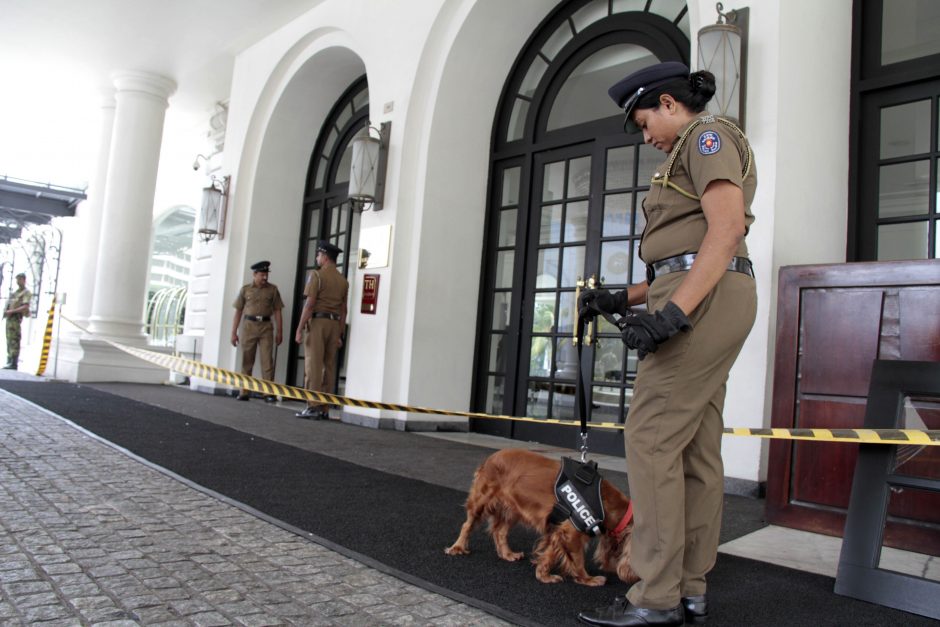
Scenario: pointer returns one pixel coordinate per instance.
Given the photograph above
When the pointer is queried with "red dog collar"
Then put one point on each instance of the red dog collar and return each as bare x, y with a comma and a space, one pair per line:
627, 517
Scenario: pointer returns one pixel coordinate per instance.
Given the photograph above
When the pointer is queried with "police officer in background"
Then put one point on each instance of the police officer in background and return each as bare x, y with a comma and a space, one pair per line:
17, 307
324, 319
700, 305
258, 303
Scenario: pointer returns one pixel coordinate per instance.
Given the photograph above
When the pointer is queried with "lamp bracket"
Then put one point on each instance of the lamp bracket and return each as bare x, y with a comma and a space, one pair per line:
731, 17
220, 184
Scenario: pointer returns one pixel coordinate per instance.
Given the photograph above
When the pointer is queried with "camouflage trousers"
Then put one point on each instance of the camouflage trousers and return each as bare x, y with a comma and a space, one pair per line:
13, 339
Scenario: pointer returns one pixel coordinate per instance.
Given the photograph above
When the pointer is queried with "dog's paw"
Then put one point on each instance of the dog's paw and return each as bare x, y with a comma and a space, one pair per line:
512, 556
600, 580
457, 550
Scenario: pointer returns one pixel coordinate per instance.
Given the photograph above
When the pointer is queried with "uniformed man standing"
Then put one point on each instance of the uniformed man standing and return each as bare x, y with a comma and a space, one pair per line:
17, 307
324, 319
258, 302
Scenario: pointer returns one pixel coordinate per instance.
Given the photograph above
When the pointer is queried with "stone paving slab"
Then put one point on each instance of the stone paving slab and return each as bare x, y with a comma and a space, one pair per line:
91, 536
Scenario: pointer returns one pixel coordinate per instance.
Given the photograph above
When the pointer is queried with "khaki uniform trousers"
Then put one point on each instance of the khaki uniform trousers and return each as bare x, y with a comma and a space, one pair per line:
320, 346
253, 335
673, 442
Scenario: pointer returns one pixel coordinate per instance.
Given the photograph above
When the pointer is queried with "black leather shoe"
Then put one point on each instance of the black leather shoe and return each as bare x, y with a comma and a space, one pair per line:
696, 609
242, 397
622, 614
270, 399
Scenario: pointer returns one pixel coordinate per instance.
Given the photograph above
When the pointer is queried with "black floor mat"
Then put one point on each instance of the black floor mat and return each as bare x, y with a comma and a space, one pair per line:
405, 523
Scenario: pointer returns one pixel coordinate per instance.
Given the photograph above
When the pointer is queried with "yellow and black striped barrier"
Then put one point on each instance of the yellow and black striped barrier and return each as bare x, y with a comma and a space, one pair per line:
46, 340
235, 379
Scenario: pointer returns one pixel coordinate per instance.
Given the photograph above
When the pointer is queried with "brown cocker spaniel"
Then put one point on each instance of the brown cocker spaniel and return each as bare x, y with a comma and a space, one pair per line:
515, 486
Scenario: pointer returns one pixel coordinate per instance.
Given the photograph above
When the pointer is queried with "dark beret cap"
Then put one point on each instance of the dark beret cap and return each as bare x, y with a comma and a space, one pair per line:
330, 249
261, 266
627, 91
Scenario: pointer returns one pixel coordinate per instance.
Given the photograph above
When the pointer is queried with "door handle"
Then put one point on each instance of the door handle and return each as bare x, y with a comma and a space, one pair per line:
591, 283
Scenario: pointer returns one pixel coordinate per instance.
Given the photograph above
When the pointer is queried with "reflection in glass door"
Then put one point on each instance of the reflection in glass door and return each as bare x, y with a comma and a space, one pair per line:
560, 235
585, 232
582, 228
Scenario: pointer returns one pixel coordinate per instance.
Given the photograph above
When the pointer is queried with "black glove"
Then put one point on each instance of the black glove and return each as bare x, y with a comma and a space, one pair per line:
645, 331
590, 302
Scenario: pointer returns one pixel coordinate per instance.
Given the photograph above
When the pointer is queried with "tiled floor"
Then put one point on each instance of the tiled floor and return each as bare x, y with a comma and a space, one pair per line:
819, 554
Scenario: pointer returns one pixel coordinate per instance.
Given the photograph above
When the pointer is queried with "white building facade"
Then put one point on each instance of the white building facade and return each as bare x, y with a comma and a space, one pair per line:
507, 180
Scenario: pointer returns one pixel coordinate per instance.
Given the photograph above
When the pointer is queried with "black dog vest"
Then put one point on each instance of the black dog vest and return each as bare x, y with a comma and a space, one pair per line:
578, 496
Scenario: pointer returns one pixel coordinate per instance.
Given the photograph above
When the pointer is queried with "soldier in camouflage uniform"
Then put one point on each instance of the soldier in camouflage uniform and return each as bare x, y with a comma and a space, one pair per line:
17, 307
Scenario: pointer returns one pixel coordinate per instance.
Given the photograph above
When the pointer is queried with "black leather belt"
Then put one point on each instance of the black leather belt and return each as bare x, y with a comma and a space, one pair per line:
258, 318
325, 314
684, 262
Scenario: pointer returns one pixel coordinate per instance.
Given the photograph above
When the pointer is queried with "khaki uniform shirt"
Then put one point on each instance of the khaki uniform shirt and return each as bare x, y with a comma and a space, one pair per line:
258, 301
330, 289
705, 152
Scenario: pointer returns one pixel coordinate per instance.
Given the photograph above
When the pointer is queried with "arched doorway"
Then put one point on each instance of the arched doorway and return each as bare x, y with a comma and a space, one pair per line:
564, 209
327, 213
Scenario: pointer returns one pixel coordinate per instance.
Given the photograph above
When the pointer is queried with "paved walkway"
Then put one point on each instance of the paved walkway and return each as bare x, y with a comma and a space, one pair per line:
91, 536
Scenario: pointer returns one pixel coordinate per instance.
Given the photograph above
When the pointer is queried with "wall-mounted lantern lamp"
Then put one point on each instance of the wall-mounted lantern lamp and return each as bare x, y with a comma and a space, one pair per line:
212, 213
722, 50
367, 174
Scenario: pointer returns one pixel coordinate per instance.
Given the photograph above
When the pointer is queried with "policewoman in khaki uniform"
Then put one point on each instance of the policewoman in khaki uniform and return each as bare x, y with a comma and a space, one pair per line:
17, 307
700, 305
324, 319
258, 303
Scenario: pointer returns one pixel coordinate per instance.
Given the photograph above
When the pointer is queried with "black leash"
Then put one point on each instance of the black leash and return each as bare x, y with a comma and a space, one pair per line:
580, 393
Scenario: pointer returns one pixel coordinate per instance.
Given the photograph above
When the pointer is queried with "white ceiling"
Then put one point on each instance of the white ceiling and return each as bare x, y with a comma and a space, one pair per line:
56, 57
194, 42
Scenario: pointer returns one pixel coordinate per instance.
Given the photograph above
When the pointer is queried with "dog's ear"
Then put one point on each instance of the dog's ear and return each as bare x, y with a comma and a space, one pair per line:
624, 570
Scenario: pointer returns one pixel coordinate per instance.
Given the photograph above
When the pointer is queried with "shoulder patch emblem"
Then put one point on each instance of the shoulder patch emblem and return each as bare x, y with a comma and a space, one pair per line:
709, 143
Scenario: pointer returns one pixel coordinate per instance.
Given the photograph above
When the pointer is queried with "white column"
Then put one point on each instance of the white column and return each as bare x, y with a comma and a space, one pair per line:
89, 215
123, 259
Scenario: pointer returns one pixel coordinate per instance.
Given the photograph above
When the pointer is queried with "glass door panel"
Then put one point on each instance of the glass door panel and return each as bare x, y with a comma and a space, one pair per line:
559, 251
897, 174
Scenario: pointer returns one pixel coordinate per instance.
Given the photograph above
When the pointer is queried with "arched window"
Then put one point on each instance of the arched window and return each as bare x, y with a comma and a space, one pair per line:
327, 213
566, 188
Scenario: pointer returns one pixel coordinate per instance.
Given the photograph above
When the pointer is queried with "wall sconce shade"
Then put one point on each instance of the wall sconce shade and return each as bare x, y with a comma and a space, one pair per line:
212, 212
722, 50
367, 172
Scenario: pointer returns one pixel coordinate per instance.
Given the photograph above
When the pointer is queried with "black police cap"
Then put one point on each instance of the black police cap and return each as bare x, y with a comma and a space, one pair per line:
626, 92
330, 249
261, 266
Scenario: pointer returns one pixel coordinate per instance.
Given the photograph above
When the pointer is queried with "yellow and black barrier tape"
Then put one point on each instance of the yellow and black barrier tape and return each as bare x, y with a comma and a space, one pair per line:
235, 379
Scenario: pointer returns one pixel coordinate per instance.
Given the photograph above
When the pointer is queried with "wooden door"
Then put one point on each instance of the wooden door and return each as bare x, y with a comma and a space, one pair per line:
833, 321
